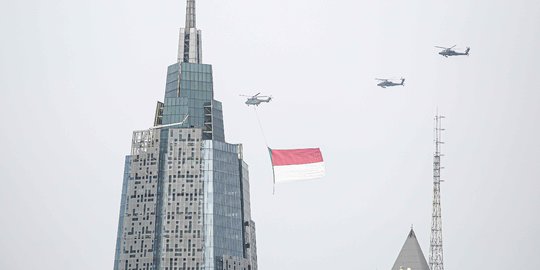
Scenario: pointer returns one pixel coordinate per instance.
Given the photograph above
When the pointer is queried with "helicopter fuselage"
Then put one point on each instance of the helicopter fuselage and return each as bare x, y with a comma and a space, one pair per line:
256, 101
449, 52
387, 83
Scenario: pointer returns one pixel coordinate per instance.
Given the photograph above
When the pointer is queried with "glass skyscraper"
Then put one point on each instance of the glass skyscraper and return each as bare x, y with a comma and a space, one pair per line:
185, 197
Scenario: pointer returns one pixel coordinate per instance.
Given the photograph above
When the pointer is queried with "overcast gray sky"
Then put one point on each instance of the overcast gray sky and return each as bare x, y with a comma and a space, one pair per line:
77, 77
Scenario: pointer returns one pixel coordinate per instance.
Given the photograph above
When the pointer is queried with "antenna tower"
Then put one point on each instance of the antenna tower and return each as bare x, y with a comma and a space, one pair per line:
436, 240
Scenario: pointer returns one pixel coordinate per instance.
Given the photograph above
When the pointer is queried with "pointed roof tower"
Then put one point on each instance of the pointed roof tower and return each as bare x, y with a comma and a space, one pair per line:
411, 256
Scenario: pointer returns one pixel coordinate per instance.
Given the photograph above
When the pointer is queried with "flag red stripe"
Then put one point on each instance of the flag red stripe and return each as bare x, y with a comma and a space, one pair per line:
296, 156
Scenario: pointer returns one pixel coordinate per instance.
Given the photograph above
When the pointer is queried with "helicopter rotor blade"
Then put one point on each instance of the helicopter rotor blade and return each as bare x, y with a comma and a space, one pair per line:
453, 46
257, 94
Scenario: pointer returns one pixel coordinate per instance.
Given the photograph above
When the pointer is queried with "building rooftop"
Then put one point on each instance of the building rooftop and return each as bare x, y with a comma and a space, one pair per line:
411, 256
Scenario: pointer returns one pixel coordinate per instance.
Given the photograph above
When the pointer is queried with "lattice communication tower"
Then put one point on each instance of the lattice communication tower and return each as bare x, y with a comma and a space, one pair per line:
436, 239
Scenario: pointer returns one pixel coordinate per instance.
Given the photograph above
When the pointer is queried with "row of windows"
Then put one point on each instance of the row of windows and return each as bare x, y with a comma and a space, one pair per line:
187, 86
197, 76
191, 67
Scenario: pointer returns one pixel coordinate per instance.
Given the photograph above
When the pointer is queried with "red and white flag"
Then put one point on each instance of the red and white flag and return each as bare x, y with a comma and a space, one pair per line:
297, 164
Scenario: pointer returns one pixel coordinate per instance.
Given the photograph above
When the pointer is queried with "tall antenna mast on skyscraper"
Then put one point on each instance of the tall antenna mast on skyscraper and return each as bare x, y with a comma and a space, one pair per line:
190, 42
190, 14
436, 242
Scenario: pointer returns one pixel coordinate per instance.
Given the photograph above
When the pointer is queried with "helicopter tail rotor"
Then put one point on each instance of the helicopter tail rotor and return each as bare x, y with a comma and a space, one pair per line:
467, 51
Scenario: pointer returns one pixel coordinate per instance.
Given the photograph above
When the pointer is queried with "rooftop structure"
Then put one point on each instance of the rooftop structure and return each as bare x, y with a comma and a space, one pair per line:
411, 256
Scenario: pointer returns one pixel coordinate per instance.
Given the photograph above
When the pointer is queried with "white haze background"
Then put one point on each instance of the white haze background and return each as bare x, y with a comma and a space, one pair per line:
77, 77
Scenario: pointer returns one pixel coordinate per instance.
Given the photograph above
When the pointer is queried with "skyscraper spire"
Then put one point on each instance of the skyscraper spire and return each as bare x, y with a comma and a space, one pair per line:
190, 41
190, 14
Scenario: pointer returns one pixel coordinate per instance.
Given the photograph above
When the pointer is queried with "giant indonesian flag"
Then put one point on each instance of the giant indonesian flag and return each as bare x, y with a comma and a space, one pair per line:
297, 164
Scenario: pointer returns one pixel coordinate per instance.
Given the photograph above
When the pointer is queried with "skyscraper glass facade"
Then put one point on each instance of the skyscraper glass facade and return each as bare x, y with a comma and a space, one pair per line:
185, 200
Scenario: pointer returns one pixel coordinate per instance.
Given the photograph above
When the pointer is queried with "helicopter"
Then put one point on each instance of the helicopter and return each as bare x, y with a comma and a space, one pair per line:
449, 52
386, 82
256, 99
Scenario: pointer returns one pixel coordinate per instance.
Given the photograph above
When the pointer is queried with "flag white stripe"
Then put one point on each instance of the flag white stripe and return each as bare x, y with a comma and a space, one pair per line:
287, 173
